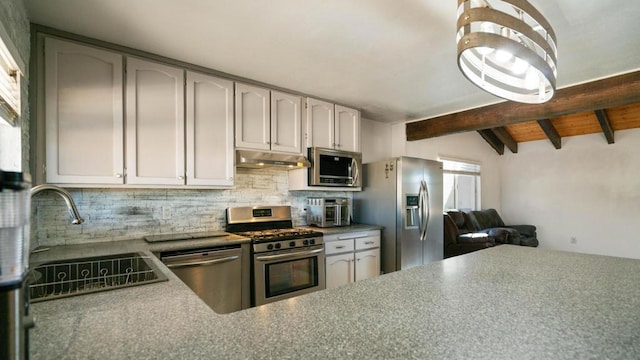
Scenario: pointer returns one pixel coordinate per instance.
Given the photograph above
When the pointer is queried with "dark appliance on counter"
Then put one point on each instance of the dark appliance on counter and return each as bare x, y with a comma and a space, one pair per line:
287, 261
328, 212
15, 213
330, 167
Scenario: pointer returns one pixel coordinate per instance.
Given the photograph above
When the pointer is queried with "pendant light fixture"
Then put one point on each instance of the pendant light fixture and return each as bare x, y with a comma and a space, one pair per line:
507, 48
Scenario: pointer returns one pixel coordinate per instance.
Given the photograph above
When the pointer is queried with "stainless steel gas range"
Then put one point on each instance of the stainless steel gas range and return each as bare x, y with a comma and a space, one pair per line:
287, 261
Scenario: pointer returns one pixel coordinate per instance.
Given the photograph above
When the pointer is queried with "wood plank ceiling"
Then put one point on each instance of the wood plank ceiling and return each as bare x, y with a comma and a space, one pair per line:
603, 106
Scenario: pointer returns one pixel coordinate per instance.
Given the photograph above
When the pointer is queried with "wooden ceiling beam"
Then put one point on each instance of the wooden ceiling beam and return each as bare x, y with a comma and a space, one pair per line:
505, 138
601, 94
605, 124
493, 140
551, 132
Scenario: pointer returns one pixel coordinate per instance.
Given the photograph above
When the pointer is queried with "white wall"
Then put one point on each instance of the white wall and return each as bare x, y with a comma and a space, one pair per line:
375, 138
469, 146
589, 190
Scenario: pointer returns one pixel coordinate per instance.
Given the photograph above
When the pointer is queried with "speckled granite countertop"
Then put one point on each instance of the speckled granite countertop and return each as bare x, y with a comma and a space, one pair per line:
506, 302
344, 229
113, 247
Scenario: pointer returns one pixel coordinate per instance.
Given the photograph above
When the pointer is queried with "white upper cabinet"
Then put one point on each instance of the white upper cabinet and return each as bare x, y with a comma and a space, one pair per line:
319, 124
83, 114
268, 120
155, 123
347, 129
332, 126
253, 129
286, 122
209, 130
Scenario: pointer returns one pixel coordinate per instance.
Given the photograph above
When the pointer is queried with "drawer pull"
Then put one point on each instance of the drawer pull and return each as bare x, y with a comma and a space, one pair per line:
369, 242
340, 247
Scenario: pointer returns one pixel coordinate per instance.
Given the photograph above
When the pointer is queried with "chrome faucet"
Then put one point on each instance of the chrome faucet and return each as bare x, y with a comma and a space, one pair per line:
73, 210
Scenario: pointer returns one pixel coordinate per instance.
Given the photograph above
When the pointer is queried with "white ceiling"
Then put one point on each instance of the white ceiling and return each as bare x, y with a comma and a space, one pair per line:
394, 59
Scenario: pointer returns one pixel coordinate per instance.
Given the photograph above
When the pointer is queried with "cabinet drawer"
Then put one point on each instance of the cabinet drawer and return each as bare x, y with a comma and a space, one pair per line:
368, 242
336, 247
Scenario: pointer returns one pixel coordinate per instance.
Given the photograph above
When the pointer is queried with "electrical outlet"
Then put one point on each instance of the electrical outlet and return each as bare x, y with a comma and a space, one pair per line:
573, 240
166, 212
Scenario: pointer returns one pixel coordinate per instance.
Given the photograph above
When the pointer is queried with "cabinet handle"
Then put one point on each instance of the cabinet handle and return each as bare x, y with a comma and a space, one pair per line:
340, 247
369, 242
276, 143
118, 175
268, 142
181, 177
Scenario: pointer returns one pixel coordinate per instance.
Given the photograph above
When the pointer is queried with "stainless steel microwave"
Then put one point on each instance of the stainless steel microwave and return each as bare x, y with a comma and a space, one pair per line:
330, 167
328, 212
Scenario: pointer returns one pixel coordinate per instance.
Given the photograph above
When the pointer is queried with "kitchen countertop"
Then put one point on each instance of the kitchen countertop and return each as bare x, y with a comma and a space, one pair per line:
506, 302
45, 254
344, 229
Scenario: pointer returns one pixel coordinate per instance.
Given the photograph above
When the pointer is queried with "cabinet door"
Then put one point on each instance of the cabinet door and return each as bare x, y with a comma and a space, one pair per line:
367, 264
209, 130
319, 126
347, 134
286, 122
252, 117
339, 269
84, 114
155, 123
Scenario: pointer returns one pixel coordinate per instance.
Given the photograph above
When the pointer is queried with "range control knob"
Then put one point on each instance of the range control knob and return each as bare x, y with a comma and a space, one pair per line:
292, 243
270, 247
278, 246
305, 242
312, 241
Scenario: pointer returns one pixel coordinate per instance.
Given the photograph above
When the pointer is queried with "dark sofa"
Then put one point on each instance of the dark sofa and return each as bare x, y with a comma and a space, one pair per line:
470, 231
459, 239
490, 222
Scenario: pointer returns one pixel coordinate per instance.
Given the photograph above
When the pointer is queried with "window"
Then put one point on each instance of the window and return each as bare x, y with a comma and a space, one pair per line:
461, 184
9, 81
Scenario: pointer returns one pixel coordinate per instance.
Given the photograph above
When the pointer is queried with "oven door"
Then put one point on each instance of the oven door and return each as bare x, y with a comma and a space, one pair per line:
288, 273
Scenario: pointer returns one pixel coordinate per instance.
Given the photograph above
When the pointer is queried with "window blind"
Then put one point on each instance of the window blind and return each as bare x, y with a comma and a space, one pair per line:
9, 85
453, 166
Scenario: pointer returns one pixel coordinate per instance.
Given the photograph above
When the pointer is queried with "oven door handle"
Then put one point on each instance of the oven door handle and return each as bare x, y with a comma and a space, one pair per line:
288, 256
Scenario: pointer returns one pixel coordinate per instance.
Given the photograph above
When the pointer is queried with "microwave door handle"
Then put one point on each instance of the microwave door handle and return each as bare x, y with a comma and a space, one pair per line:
356, 171
338, 214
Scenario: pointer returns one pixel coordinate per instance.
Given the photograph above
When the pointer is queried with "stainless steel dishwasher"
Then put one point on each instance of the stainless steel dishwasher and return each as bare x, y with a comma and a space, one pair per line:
215, 275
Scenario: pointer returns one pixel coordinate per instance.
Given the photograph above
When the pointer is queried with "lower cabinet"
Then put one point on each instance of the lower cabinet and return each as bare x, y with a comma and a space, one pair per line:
351, 257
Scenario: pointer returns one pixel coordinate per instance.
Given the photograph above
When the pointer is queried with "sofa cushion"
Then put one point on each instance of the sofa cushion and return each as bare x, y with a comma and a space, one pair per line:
458, 218
485, 219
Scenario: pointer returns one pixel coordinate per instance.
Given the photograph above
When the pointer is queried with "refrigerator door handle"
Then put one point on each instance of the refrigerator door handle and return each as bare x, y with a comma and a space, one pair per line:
427, 211
421, 209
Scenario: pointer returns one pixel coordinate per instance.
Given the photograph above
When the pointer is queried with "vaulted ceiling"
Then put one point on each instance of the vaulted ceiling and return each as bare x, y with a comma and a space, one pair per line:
605, 106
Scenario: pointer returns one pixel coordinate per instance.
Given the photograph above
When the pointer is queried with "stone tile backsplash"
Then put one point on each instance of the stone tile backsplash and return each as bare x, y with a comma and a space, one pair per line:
122, 214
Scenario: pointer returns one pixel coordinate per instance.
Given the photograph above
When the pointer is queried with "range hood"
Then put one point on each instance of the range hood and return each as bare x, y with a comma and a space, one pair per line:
262, 159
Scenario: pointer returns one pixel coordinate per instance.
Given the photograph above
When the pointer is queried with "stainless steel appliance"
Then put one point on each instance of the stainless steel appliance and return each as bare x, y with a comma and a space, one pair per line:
214, 274
330, 167
15, 205
328, 212
404, 195
287, 261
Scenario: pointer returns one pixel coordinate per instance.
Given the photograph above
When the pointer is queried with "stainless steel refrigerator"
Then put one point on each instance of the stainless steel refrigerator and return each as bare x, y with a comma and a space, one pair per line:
404, 195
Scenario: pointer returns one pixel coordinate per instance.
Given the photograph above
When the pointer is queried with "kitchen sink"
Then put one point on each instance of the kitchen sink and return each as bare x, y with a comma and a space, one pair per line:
80, 276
